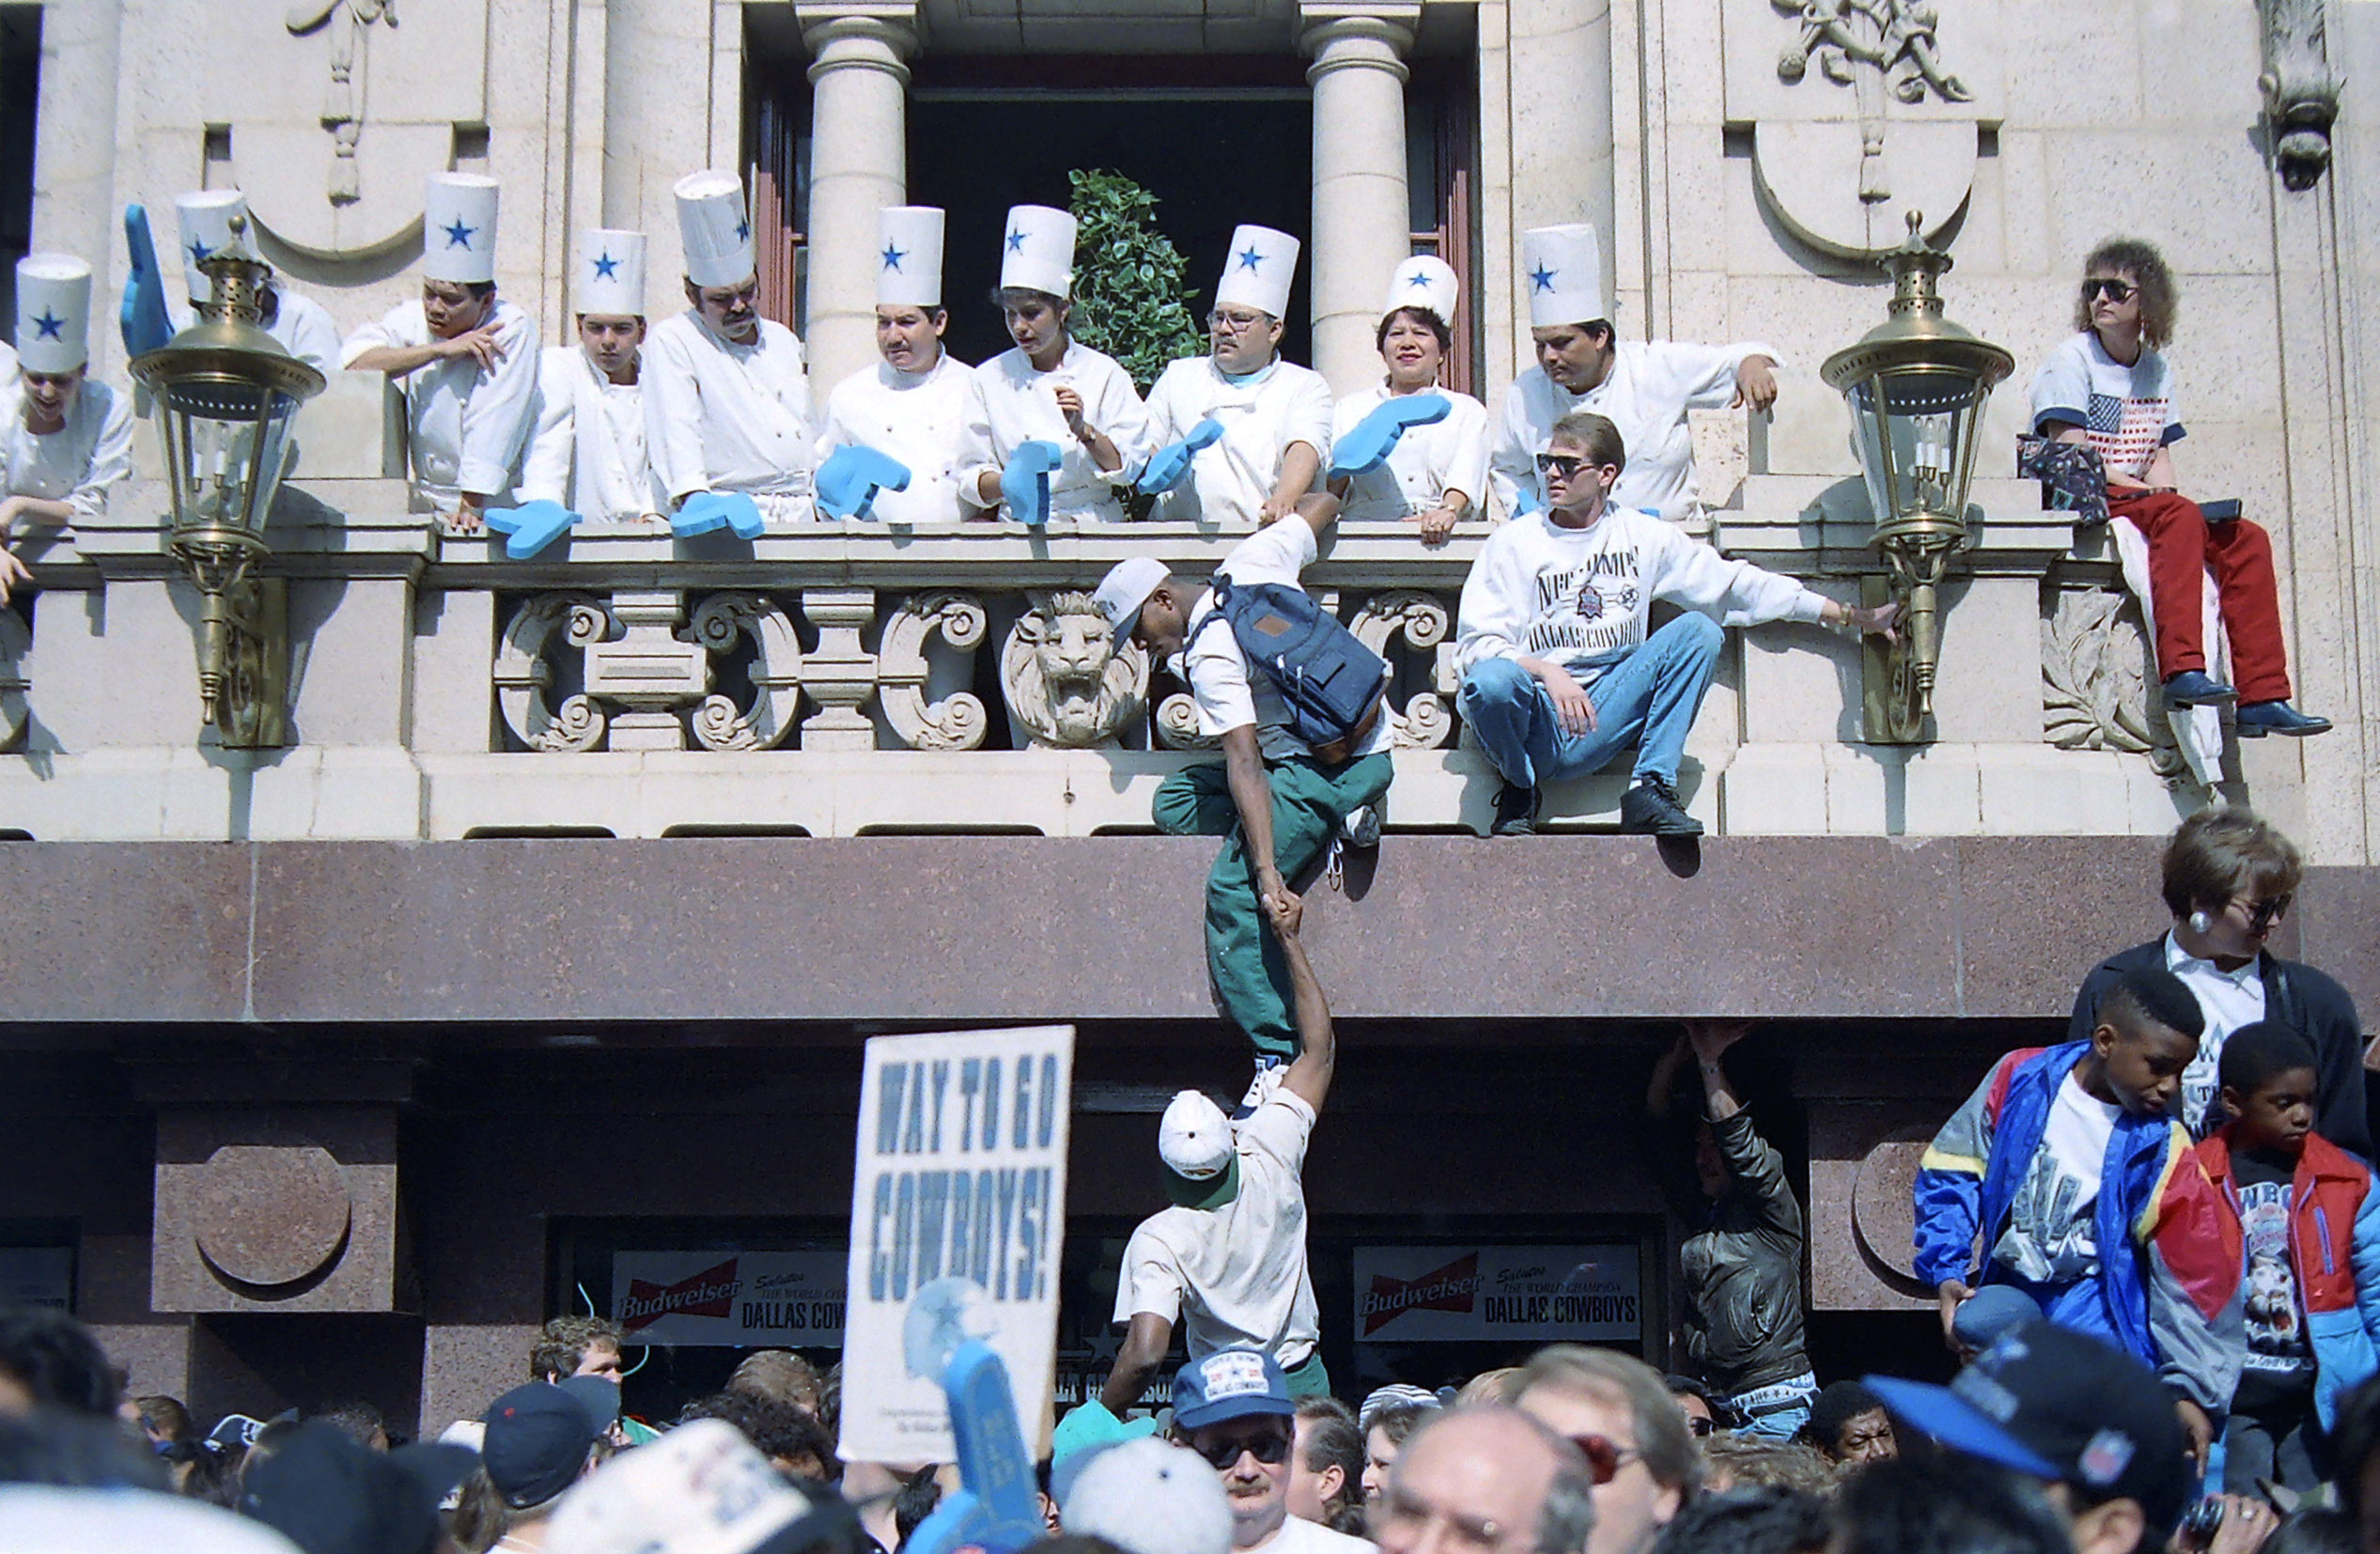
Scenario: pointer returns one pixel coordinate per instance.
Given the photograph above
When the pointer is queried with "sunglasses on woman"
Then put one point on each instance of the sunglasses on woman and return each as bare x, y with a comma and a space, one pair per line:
1604, 1456
1269, 1447
2118, 292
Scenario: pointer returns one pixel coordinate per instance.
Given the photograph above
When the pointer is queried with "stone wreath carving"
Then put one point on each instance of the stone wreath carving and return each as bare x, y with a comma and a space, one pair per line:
1067, 685
2096, 680
645, 680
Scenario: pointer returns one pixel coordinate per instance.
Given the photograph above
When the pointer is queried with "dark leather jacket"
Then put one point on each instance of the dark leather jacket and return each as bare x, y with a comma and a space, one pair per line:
1741, 1263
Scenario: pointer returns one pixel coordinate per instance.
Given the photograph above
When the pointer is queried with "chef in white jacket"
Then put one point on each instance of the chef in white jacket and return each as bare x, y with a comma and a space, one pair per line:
468, 359
1562, 669
1049, 387
587, 452
1644, 389
726, 392
911, 405
1274, 415
1436, 475
304, 326
65, 441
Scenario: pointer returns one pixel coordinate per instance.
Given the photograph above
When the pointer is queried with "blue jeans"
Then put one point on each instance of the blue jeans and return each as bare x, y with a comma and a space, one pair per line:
1647, 699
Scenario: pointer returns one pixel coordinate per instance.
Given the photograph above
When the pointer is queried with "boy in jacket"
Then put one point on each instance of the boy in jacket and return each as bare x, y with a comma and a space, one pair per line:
2309, 1224
2068, 1163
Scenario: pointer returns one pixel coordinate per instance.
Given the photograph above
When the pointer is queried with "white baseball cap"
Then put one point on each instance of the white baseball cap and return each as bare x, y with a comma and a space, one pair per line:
1125, 589
700, 1489
1202, 1163
1149, 1497
58, 1521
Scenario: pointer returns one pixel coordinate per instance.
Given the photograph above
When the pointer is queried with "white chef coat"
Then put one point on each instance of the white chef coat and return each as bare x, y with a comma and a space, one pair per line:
588, 450
1646, 394
1425, 464
306, 331
1010, 402
466, 428
1261, 414
725, 417
919, 418
79, 464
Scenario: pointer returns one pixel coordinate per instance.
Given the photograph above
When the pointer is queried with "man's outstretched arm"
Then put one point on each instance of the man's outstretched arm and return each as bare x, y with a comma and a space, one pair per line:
1308, 1077
1145, 1345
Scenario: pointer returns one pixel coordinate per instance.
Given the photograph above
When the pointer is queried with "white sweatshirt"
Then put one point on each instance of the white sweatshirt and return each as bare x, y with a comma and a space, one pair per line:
1578, 597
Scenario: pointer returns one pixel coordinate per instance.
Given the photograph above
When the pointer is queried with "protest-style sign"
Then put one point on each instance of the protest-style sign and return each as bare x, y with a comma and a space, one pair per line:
957, 1220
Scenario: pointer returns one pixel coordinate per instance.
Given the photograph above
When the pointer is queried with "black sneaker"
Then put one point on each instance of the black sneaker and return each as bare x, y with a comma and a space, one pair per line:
1516, 811
1650, 808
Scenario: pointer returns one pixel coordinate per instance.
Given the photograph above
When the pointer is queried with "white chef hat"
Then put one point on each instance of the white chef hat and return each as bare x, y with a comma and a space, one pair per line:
1036, 251
714, 228
205, 216
1258, 270
1562, 267
1426, 281
458, 229
611, 277
908, 256
54, 313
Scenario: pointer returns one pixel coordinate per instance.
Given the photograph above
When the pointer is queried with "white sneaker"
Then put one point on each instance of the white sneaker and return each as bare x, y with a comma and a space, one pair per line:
1270, 1073
1362, 828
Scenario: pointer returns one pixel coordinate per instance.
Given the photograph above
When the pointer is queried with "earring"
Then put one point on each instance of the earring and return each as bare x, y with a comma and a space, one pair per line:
2200, 922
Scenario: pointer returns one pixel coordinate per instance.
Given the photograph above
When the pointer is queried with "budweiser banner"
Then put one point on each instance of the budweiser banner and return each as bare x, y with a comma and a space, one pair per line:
790, 1299
1405, 1295
958, 1216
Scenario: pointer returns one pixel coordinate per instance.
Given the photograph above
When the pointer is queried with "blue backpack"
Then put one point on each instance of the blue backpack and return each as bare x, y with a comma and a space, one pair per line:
1331, 685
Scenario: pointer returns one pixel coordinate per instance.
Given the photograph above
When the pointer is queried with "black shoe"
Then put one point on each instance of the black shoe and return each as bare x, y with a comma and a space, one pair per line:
2195, 688
1516, 811
1650, 808
2257, 719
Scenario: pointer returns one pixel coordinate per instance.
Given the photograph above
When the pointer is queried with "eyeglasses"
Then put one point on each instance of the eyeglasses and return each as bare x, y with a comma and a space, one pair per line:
1562, 464
1605, 1457
2263, 914
1230, 324
2118, 292
1269, 1447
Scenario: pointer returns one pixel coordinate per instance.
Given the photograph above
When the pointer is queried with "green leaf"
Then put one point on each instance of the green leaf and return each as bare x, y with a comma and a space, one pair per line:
1129, 298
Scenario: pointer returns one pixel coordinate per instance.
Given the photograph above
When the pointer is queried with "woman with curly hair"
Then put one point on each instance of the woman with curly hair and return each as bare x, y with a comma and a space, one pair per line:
2107, 387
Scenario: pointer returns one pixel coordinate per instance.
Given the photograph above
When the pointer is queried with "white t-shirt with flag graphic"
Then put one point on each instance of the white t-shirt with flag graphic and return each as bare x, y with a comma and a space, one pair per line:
2128, 413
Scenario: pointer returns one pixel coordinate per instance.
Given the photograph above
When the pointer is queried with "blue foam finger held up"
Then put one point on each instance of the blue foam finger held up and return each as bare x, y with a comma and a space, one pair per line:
1374, 438
532, 526
142, 318
1167, 465
848, 482
1025, 482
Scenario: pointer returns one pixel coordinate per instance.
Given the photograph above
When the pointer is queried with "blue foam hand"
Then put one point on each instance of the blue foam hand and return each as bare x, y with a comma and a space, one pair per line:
1527, 500
1167, 465
848, 482
142, 316
704, 511
532, 526
994, 1508
1025, 482
1368, 447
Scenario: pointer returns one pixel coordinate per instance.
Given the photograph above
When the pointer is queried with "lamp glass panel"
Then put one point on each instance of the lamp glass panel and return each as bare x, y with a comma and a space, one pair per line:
232, 445
1915, 439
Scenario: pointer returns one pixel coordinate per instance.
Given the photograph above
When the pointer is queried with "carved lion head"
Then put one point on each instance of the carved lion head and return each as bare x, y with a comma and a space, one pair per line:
1067, 684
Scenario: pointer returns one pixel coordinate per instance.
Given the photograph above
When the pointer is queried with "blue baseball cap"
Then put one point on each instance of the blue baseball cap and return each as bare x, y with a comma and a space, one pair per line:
1230, 1384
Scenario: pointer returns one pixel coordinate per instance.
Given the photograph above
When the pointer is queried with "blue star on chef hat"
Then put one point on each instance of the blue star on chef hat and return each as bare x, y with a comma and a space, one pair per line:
51, 325
457, 235
198, 250
1250, 259
743, 229
893, 256
1417, 278
1016, 242
1541, 278
606, 265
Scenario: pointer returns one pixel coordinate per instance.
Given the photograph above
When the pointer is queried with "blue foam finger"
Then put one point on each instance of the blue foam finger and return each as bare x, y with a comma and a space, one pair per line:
995, 1507
848, 482
1375, 437
1167, 465
1025, 481
704, 511
532, 526
142, 318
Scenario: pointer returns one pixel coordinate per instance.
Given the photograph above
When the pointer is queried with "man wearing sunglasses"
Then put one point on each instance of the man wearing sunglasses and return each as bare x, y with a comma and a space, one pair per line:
1233, 1407
1562, 669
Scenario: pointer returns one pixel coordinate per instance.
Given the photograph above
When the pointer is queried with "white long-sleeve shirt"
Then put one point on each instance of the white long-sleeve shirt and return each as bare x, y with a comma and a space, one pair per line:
80, 462
725, 417
1010, 402
1646, 394
466, 428
1425, 464
306, 331
1262, 414
919, 418
588, 450
1578, 597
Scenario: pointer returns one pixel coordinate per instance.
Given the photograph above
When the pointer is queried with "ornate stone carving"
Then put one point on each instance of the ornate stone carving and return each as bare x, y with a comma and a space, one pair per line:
648, 670
2301, 94
720, 622
954, 723
643, 679
348, 25
1177, 725
2095, 679
1066, 685
840, 674
16, 640
524, 676
1427, 720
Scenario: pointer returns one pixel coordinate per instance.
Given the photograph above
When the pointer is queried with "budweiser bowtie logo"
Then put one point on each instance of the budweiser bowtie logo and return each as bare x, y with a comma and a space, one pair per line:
1452, 1288
709, 1293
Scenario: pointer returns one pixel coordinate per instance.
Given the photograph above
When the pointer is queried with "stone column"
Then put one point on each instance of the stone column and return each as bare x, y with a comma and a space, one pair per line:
1362, 223
859, 137
75, 205
657, 111
1562, 116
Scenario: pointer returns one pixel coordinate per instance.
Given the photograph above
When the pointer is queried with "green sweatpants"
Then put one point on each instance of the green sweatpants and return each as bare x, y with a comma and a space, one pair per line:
1309, 800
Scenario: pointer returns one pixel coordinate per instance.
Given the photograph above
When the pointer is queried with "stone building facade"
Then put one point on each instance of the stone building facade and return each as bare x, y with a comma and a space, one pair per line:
549, 937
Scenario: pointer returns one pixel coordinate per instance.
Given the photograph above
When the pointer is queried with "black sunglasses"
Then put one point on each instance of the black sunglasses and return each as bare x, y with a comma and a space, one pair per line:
1269, 1447
2117, 290
2263, 914
1561, 464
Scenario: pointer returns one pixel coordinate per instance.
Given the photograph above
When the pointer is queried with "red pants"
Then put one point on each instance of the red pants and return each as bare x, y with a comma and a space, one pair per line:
2182, 545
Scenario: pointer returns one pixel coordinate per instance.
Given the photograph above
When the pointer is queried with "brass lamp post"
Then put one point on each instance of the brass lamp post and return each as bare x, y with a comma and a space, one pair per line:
1917, 384
226, 397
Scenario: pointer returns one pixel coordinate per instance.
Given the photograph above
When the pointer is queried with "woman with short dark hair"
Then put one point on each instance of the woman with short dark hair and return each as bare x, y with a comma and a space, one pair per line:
1436, 472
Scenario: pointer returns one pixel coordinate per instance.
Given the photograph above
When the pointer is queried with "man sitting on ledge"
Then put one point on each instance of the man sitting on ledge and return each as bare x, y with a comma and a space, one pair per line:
1561, 672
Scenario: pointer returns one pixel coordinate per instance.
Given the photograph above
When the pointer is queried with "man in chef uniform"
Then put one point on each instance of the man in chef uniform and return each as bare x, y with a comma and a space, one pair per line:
468, 360
587, 452
726, 393
304, 326
65, 441
1274, 415
911, 406
1644, 389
